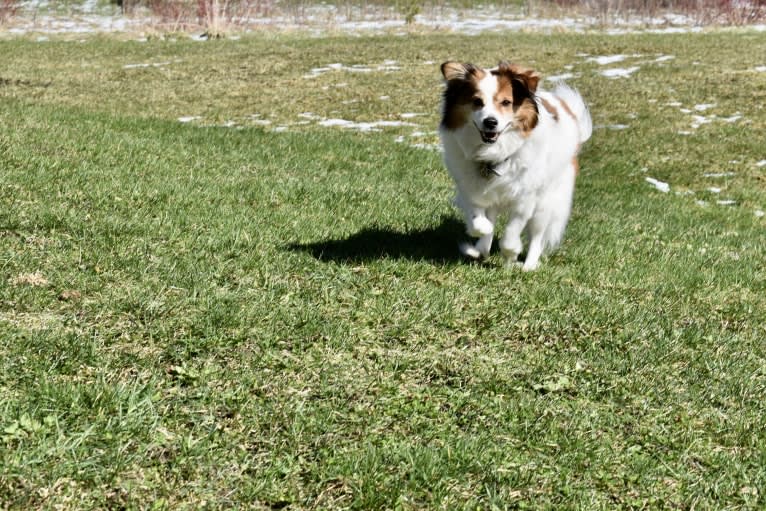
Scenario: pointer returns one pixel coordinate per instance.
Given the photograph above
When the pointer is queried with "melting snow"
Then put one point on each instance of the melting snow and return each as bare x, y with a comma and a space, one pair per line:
428, 147
560, 78
89, 16
363, 126
761, 163
387, 66
607, 59
150, 64
699, 120
659, 185
613, 127
619, 72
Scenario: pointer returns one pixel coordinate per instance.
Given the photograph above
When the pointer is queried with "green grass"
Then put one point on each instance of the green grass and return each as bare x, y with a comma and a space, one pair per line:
194, 316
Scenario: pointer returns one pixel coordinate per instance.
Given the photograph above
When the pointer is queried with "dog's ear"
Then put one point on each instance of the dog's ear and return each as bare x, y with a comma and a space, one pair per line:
524, 83
457, 70
529, 78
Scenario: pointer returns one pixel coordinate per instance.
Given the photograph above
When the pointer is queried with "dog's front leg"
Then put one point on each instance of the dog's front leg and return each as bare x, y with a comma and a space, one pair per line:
478, 223
482, 247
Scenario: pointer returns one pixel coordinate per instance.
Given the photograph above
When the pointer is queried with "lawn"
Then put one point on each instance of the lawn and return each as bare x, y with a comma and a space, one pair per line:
230, 280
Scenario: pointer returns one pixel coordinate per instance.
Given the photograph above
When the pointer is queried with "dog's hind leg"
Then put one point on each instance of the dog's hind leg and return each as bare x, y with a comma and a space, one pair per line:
547, 225
537, 229
510, 244
535, 250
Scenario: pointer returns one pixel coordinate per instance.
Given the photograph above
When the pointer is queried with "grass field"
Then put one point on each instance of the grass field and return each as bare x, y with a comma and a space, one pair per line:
260, 309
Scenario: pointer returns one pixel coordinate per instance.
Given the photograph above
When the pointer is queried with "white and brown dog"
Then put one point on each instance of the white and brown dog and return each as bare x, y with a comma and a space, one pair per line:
511, 148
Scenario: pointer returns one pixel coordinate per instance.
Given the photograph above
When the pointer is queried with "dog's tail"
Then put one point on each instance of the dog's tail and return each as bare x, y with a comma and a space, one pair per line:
576, 104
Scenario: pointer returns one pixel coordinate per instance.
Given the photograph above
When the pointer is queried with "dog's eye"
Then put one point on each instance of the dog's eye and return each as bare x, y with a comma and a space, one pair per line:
478, 103
506, 102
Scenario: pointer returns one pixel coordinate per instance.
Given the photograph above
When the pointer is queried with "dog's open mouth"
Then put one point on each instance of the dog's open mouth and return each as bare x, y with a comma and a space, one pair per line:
489, 137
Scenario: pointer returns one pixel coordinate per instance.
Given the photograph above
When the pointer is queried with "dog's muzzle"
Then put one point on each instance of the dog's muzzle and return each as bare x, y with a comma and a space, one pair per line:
488, 130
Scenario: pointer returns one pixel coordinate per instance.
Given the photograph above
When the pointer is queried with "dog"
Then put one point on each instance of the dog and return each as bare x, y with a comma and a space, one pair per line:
511, 149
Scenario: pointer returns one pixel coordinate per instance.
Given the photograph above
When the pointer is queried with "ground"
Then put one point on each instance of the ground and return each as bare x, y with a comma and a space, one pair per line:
230, 278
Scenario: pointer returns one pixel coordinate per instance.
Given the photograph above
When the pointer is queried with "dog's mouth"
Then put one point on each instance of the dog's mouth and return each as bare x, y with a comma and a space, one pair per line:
489, 137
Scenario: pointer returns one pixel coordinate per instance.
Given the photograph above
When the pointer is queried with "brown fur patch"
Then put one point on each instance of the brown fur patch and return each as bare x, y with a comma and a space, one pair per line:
462, 84
529, 77
550, 108
526, 117
567, 109
523, 83
504, 94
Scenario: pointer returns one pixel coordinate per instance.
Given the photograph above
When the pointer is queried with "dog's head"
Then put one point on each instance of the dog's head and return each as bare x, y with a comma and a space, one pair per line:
493, 100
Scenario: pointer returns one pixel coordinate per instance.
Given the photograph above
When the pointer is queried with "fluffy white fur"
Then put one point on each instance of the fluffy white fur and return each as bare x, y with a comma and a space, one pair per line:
533, 171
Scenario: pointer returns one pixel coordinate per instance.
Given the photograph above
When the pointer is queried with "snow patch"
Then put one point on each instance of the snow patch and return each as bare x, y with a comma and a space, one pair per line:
618, 72
149, 64
362, 126
613, 127
560, 78
659, 185
386, 66
606, 59
699, 120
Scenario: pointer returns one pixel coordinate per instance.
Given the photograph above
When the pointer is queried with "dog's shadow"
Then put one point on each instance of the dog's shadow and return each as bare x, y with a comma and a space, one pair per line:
438, 245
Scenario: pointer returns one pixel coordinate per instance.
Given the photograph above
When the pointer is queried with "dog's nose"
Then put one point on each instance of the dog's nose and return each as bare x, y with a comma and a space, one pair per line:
490, 123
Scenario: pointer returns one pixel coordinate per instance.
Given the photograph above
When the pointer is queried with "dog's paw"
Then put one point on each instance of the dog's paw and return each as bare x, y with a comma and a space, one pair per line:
510, 251
468, 250
511, 247
480, 226
529, 266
